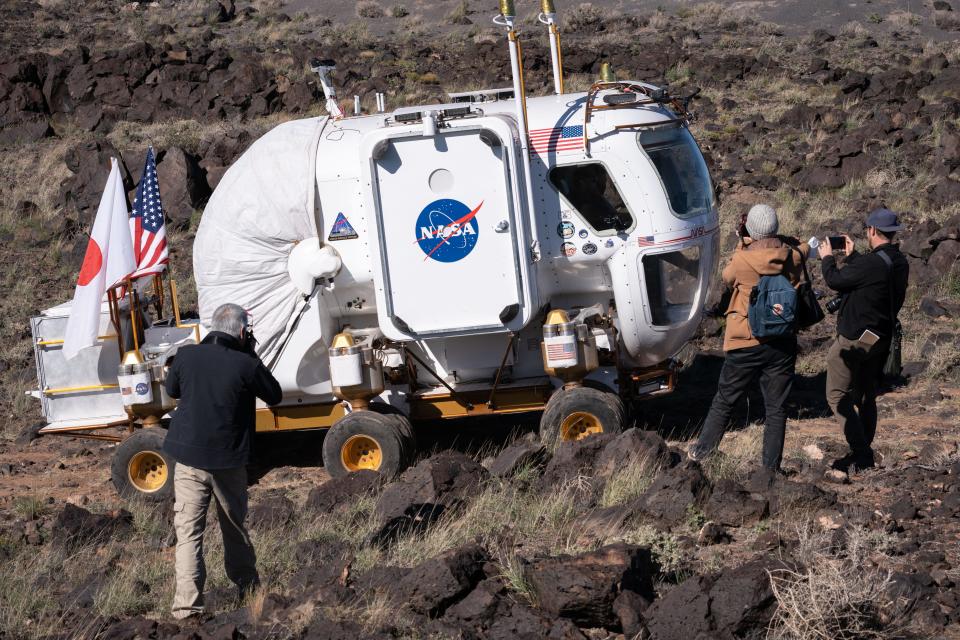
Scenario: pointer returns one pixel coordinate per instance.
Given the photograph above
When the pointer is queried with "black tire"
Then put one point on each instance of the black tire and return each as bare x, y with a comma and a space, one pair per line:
141, 469
408, 439
616, 401
570, 410
365, 440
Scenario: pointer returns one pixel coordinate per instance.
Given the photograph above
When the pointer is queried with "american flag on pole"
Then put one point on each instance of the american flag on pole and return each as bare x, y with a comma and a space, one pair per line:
556, 139
147, 223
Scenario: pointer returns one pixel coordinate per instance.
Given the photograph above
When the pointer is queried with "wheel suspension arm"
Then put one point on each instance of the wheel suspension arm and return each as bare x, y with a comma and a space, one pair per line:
453, 393
496, 381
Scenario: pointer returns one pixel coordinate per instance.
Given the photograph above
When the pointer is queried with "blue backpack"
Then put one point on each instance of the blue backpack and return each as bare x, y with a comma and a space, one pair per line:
773, 307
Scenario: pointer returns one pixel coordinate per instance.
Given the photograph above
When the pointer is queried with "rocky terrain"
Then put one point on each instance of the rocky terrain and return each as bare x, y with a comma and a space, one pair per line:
825, 117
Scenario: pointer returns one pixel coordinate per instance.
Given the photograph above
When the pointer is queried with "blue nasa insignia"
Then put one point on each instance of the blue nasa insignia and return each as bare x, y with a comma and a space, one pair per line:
447, 230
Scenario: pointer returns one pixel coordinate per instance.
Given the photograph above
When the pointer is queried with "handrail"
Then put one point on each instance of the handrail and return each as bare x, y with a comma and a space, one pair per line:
44, 343
90, 387
632, 87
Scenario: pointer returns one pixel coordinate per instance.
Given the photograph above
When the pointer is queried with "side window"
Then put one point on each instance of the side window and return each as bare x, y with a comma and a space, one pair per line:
591, 191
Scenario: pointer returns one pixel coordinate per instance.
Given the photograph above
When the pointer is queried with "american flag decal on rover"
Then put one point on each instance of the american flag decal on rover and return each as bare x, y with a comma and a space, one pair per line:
560, 351
556, 139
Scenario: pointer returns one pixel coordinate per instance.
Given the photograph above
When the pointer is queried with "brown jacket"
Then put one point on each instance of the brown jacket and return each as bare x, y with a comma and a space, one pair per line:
752, 259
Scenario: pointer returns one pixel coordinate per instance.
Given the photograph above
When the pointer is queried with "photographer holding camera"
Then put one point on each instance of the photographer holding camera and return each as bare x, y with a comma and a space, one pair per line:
872, 287
217, 382
764, 350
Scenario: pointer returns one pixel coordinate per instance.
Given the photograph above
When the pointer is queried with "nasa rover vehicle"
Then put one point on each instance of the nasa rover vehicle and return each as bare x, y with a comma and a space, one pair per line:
494, 255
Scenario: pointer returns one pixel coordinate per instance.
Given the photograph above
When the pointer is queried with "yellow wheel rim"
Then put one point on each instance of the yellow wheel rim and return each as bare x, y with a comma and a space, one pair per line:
147, 471
579, 425
361, 452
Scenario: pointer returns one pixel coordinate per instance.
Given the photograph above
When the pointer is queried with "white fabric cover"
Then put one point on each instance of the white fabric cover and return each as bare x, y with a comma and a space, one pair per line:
262, 207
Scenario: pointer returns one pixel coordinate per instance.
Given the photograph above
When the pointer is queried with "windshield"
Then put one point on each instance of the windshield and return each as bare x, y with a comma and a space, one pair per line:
682, 169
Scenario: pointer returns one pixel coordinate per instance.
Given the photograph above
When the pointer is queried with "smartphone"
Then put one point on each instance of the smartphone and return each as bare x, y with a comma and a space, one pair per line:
868, 338
838, 243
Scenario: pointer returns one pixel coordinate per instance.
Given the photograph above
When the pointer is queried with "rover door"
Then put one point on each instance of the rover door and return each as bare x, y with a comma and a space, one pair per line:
449, 260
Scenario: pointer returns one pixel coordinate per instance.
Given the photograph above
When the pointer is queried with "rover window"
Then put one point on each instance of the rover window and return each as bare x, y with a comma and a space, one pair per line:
682, 169
672, 281
592, 192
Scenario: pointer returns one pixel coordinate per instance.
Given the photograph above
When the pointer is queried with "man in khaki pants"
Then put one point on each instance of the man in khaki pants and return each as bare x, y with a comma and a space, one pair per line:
217, 382
872, 287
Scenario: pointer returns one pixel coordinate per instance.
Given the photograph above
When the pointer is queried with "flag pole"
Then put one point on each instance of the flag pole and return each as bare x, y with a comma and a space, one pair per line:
134, 314
114, 308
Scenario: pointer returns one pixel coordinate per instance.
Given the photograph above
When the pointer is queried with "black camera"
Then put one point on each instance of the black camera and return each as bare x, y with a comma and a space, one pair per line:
833, 305
248, 343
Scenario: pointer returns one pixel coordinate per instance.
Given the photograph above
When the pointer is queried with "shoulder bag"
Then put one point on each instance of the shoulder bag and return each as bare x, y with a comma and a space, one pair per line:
809, 311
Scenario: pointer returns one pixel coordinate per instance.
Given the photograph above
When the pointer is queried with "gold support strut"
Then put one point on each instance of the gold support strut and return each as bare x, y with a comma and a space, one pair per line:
512, 36
556, 34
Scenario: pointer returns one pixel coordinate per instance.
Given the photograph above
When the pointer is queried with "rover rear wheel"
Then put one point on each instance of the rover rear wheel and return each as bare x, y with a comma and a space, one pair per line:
366, 440
580, 412
140, 468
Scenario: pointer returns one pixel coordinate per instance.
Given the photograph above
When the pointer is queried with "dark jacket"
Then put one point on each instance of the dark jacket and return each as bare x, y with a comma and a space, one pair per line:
217, 384
864, 282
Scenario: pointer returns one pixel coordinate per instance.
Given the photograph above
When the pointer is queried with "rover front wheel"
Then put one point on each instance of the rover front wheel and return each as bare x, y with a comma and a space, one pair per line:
408, 440
580, 412
365, 440
140, 468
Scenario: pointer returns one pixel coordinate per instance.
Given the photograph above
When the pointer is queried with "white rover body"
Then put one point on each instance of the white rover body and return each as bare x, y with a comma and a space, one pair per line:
491, 255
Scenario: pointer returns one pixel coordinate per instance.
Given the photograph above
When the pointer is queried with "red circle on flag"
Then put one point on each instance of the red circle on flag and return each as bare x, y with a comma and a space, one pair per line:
92, 262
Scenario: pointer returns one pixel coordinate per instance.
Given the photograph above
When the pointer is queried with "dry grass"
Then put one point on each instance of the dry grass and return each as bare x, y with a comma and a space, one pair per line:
628, 484
503, 516
586, 17
839, 593
460, 14
369, 9
133, 578
33, 173
513, 571
373, 610
905, 20
738, 455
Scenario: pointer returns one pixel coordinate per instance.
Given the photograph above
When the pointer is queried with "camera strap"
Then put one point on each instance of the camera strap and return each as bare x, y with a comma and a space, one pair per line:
893, 315
803, 263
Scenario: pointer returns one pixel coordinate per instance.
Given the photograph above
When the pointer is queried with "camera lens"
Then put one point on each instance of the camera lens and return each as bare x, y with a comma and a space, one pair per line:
833, 305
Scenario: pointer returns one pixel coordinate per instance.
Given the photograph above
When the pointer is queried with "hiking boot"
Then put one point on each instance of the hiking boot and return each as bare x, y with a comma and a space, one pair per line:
844, 463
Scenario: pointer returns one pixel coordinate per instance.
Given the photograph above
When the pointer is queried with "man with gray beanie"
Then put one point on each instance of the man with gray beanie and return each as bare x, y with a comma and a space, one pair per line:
760, 252
217, 382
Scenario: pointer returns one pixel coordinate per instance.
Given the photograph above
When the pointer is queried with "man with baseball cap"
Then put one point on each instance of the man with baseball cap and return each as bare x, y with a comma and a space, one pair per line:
872, 288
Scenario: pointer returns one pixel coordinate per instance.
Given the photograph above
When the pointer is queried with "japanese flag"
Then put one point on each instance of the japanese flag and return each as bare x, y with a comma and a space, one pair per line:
108, 260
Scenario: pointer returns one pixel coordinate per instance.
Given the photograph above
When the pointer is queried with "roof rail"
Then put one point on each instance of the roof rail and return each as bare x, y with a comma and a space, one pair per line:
643, 94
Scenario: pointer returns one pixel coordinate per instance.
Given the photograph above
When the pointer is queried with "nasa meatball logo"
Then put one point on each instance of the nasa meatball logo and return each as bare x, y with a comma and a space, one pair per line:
447, 230
141, 389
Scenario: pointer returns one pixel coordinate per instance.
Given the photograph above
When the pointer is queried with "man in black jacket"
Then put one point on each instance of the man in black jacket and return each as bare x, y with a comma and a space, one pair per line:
873, 287
217, 383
